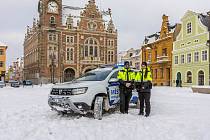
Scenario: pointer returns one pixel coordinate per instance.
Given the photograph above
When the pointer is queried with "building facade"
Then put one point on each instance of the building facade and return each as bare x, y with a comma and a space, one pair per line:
3, 49
57, 51
191, 52
157, 52
133, 56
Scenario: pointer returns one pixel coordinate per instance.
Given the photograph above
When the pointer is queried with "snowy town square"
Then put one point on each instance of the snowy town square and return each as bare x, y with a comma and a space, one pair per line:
105, 70
177, 114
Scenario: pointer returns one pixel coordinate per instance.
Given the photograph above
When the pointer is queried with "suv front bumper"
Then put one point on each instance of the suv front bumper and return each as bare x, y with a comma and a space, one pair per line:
63, 103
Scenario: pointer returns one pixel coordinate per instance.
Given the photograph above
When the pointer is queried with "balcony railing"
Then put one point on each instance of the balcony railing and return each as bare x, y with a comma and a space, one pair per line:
162, 59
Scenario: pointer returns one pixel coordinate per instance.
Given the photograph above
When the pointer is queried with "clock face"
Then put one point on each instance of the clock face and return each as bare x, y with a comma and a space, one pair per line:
52, 7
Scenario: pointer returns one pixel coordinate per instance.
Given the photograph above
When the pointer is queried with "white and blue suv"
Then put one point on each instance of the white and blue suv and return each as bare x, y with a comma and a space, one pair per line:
96, 91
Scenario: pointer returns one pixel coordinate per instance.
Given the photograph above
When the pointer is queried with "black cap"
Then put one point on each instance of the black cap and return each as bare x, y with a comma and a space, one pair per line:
144, 63
126, 62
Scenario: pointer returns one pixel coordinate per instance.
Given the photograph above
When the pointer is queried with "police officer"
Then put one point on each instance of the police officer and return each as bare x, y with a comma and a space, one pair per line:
144, 86
126, 79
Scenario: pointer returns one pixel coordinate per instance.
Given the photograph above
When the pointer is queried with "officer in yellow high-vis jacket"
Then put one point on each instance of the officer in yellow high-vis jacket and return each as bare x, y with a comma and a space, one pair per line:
143, 81
126, 79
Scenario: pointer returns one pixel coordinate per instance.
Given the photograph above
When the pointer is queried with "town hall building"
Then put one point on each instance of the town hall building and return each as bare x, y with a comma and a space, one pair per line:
58, 49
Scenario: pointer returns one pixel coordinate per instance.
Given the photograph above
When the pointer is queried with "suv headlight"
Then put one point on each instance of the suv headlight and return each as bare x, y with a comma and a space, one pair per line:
77, 91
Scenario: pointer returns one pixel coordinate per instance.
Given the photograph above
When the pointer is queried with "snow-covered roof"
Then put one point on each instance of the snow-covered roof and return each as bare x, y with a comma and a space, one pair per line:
2, 44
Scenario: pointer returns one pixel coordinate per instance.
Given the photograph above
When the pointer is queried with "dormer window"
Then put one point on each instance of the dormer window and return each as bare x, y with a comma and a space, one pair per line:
189, 28
52, 20
69, 26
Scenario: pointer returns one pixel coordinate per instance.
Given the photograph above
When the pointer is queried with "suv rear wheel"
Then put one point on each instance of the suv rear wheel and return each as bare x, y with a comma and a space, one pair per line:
98, 108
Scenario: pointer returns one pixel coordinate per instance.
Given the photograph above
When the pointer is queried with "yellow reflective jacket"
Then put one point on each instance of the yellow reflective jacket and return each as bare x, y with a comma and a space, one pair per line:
140, 75
126, 75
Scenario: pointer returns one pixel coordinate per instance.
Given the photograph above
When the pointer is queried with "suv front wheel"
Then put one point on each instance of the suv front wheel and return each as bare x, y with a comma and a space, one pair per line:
98, 108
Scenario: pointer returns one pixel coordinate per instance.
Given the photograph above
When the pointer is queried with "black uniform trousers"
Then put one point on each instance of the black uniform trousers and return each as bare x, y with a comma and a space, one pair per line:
144, 98
125, 96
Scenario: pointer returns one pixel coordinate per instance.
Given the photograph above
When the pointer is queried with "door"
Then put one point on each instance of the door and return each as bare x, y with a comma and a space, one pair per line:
179, 80
200, 78
113, 90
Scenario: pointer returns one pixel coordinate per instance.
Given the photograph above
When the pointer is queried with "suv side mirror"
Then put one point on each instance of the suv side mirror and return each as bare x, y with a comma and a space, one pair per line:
113, 80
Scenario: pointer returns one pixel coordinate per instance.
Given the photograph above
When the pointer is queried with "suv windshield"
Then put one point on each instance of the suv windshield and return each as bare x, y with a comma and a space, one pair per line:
94, 76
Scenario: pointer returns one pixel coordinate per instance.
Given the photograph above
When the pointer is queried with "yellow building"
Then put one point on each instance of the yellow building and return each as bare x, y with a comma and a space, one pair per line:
3, 49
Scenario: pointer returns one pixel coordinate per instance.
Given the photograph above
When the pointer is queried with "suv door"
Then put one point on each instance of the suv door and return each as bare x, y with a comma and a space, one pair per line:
113, 90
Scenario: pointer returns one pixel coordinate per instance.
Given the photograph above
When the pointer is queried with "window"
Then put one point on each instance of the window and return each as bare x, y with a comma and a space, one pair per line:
110, 56
86, 51
1, 64
196, 56
96, 52
201, 78
182, 45
189, 28
196, 41
204, 55
155, 55
155, 73
52, 37
91, 48
70, 39
95, 76
110, 42
1, 52
114, 75
149, 56
176, 59
164, 52
162, 73
69, 26
182, 59
52, 20
69, 54
189, 57
189, 77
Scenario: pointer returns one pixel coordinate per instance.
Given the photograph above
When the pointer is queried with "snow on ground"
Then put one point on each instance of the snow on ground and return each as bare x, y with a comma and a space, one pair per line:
177, 114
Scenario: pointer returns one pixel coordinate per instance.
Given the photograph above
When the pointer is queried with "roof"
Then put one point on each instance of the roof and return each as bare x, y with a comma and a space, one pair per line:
205, 20
2, 45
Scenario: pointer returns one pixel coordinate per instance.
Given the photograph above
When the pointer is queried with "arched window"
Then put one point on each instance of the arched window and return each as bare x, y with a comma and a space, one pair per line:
91, 48
96, 51
189, 77
86, 51
52, 20
91, 51
201, 78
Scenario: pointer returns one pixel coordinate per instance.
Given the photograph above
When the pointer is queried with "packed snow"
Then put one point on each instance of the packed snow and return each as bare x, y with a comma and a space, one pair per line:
177, 114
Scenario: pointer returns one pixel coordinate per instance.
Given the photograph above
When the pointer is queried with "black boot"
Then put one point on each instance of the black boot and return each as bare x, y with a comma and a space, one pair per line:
147, 115
141, 113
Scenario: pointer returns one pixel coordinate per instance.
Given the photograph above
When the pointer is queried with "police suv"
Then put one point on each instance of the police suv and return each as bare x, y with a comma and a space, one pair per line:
96, 91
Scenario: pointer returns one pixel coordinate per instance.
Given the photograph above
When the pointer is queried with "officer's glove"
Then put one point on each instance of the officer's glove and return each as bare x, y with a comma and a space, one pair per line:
128, 85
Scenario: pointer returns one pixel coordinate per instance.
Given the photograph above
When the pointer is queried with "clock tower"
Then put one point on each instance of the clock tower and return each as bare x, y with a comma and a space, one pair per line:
50, 13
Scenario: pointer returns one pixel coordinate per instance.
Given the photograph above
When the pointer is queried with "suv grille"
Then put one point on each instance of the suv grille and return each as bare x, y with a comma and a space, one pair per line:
64, 91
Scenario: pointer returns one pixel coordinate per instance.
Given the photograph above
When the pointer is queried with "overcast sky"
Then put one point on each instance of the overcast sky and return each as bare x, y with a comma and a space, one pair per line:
133, 18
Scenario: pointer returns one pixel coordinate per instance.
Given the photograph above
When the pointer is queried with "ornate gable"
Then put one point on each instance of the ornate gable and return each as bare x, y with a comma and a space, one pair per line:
91, 18
91, 11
